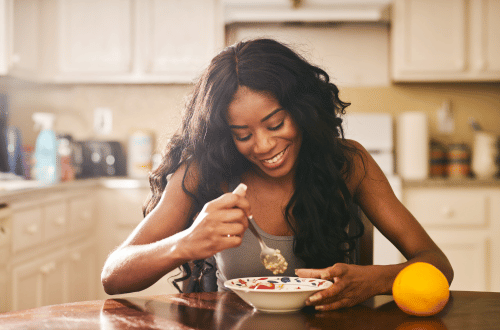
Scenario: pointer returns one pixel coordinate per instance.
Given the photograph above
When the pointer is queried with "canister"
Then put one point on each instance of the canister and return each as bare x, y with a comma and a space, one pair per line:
438, 159
458, 160
140, 152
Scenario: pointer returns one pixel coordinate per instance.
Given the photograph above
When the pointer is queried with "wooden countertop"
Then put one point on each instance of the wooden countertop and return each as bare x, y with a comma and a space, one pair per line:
465, 310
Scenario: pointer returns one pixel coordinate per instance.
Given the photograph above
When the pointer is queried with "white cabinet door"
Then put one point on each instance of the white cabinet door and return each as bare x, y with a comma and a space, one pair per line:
4, 36
83, 273
180, 37
96, 36
445, 40
485, 37
429, 37
469, 257
40, 282
26, 23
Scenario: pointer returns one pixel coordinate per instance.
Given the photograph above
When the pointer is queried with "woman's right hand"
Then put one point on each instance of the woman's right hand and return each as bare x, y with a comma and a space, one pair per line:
219, 225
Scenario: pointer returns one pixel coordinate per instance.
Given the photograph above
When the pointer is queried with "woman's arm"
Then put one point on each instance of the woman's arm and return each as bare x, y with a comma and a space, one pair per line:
161, 242
373, 193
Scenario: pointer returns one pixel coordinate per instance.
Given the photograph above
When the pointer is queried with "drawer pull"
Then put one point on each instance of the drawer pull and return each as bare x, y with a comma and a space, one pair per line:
33, 229
47, 268
447, 212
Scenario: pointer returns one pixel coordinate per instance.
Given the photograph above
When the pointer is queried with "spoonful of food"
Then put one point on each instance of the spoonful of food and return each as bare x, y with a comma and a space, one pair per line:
272, 259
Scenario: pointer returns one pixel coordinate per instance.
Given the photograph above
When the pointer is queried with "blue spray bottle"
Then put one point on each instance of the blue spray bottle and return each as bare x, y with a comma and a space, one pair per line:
46, 169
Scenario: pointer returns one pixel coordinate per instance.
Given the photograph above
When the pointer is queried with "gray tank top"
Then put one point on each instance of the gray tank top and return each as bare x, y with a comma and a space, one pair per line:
244, 260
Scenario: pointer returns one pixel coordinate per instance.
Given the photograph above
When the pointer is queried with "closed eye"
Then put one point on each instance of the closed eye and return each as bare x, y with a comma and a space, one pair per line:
245, 138
277, 127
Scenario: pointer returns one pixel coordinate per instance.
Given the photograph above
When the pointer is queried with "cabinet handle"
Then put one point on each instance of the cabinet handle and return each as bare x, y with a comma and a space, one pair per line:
48, 267
32, 229
60, 221
447, 211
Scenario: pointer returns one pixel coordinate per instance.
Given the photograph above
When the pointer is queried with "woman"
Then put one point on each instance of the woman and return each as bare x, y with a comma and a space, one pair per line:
263, 116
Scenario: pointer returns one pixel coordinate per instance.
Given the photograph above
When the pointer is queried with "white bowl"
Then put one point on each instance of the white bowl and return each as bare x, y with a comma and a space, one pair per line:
276, 294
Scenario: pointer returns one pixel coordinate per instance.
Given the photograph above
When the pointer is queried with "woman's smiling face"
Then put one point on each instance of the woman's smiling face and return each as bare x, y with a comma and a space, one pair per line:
264, 132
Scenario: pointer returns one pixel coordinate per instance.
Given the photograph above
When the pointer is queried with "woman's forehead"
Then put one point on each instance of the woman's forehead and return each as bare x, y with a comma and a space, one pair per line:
247, 102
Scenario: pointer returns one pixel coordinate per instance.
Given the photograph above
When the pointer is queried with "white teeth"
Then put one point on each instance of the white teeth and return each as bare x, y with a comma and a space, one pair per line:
275, 158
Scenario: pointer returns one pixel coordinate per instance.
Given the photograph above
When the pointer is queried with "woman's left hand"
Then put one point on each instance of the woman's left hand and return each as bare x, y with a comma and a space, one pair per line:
352, 285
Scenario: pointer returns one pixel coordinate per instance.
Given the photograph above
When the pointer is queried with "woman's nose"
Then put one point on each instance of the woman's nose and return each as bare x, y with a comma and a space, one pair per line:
263, 143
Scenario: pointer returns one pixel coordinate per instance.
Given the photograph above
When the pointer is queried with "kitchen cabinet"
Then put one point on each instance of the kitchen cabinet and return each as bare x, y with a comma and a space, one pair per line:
465, 224
445, 40
4, 36
53, 249
251, 11
114, 41
39, 282
5, 239
83, 271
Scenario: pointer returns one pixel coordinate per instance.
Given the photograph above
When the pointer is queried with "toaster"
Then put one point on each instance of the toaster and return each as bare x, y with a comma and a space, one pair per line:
95, 158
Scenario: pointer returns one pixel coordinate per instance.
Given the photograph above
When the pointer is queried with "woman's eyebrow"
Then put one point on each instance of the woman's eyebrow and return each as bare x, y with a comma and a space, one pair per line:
271, 114
262, 120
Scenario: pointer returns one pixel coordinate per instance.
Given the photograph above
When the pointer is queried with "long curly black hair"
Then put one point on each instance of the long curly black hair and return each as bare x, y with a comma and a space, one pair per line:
321, 206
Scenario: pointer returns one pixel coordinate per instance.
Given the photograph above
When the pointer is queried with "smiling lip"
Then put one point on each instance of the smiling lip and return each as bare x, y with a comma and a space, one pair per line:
276, 160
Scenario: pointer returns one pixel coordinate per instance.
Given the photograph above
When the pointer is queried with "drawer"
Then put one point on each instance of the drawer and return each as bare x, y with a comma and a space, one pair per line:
26, 228
448, 207
55, 220
81, 215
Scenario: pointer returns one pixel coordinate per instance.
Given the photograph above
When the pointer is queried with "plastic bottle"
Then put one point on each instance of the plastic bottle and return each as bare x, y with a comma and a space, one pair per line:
46, 169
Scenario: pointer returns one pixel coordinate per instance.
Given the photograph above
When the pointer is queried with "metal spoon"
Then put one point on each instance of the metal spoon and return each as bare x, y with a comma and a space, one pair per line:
271, 258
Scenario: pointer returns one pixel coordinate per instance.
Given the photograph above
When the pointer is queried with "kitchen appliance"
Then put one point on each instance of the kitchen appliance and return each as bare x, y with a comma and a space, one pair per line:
374, 131
94, 158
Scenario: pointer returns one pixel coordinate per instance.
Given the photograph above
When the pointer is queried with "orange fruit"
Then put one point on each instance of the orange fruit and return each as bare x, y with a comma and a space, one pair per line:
421, 289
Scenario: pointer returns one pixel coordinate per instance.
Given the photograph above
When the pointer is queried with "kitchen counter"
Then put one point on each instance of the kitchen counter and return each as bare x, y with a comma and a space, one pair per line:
20, 190
225, 310
451, 183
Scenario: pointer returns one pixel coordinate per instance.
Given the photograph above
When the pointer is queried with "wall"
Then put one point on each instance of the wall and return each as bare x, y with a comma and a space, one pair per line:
478, 100
153, 107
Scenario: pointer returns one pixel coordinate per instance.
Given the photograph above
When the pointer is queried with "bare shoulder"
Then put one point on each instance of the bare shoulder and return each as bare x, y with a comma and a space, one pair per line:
364, 171
181, 184
357, 157
171, 214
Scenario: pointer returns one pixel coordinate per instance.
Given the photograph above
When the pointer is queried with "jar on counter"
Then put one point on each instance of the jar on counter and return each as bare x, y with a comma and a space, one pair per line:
140, 153
438, 160
458, 161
